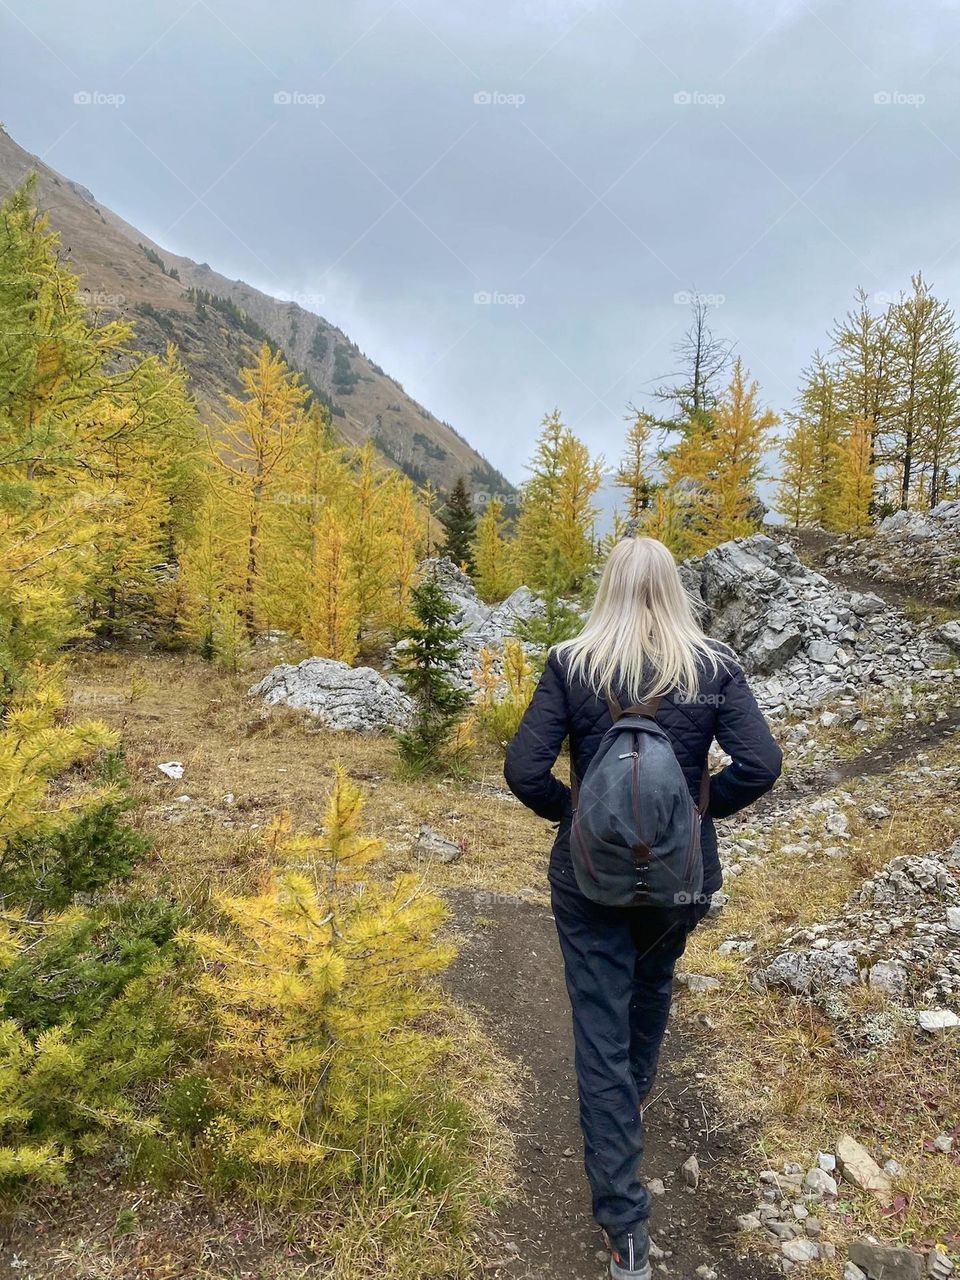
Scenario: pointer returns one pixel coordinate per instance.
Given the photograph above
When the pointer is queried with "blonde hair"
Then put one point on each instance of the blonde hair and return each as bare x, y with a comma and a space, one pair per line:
642, 635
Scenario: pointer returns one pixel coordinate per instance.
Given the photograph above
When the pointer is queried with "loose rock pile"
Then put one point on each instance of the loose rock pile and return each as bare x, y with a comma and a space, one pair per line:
900, 935
795, 1203
808, 640
812, 639
483, 625
910, 547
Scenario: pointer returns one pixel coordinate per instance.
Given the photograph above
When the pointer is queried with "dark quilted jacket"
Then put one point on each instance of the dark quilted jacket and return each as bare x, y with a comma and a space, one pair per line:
725, 709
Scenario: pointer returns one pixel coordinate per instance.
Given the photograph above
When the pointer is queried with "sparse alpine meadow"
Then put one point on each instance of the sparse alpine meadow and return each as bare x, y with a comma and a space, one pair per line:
281, 993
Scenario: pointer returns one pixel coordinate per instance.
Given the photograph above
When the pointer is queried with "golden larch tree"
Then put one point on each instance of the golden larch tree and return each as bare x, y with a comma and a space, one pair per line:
633, 474
851, 512
797, 495
253, 445
330, 616
557, 514
740, 433
495, 574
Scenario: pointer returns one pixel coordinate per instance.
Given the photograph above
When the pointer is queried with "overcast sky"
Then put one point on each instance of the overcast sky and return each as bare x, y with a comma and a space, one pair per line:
580, 164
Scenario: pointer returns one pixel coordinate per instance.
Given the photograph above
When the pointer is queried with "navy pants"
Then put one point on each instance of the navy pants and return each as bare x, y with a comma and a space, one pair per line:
619, 967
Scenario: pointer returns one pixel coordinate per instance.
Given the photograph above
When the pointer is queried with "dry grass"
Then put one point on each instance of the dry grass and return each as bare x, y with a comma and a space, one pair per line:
271, 760
786, 1073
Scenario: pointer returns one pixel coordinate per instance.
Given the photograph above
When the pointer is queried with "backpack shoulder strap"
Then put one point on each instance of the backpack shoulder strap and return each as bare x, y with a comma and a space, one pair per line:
648, 708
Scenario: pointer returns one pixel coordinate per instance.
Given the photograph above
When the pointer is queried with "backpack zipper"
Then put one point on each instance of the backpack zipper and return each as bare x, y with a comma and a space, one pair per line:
635, 779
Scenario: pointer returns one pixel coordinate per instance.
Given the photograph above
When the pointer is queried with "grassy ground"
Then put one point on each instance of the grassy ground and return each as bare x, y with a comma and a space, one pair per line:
785, 1072
244, 766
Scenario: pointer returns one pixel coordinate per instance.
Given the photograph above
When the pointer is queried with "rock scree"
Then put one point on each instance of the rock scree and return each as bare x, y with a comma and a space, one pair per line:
919, 550
806, 637
899, 935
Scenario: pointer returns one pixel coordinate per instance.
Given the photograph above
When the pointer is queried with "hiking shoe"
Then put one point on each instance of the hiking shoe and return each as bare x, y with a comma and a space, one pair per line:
630, 1254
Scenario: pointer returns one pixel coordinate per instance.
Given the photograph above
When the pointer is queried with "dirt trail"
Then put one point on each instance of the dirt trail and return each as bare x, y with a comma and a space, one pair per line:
509, 971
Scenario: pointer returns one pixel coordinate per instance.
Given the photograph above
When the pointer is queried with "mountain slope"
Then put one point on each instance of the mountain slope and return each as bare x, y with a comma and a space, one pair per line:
217, 323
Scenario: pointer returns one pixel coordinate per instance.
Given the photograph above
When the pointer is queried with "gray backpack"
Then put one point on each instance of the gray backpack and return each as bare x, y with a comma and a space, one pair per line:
635, 835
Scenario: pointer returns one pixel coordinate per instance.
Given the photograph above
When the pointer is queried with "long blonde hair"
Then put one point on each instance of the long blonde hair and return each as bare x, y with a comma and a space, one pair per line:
642, 635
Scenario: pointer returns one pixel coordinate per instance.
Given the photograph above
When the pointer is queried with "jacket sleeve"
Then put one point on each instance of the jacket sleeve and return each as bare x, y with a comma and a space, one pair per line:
756, 760
533, 752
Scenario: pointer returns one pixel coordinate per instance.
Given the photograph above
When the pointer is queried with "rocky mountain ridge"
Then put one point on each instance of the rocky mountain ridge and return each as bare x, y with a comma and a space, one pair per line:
217, 324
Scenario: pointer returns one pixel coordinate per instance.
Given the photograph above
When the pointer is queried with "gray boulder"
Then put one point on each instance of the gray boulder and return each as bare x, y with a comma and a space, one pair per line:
808, 639
340, 696
496, 624
436, 846
458, 589
908, 524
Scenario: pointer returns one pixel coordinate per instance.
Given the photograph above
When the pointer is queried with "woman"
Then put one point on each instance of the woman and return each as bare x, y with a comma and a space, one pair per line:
641, 642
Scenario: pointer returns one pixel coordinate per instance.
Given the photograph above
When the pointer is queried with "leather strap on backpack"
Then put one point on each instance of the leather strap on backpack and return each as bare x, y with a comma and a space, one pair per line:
648, 708
704, 804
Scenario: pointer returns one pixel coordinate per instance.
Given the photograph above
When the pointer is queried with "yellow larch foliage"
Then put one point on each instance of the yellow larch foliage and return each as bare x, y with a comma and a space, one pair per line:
496, 573
369, 544
851, 508
633, 471
35, 747
714, 469
555, 529
404, 535
313, 992
797, 496
504, 694
252, 446
330, 617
